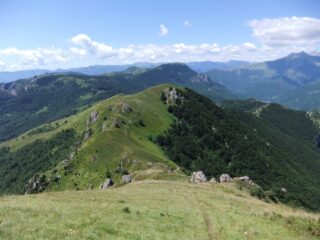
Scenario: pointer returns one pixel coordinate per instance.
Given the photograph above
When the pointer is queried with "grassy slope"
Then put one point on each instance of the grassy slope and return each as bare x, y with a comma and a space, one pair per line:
128, 145
157, 210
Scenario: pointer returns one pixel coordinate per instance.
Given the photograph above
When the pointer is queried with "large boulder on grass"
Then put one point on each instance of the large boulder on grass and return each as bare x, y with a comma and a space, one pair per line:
126, 178
225, 178
198, 177
107, 183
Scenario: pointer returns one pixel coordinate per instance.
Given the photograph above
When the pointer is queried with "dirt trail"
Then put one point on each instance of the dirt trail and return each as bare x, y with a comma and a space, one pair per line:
199, 204
209, 226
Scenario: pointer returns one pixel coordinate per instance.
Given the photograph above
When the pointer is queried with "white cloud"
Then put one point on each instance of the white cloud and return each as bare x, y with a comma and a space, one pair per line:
249, 46
187, 23
287, 30
88, 45
29, 58
163, 30
85, 51
78, 51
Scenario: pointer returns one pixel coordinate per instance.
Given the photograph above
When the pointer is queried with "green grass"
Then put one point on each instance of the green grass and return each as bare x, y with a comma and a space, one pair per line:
108, 146
152, 210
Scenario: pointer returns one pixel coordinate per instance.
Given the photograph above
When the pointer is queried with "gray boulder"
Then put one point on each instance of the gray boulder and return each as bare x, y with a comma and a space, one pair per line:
171, 96
126, 178
36, 184
213, 180
198, 177
244, 179
93, 117
107, 183
126, 108
225, 178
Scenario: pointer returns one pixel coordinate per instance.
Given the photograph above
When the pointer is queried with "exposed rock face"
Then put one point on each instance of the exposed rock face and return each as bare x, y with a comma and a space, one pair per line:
126, 178
198, 177
36, 184
107, 183
93, 117
246, 179
171, 96
200, 78
225, 178
213, 180
126, 108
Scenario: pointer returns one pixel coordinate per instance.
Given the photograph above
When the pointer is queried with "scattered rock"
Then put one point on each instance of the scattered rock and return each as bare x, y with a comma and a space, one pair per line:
93, 117
198, 177
225, 178
116, 123
126, 108
126, 178
213, 180
284, 190
36, 184
200, 78
244, 178
107, 183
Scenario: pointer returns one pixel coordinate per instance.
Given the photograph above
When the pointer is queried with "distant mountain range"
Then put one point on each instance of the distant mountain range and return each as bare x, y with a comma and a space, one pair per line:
200, 67
30, 102
292, 80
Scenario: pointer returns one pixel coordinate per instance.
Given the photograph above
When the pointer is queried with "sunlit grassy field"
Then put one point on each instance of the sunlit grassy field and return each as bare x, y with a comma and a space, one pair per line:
153, 210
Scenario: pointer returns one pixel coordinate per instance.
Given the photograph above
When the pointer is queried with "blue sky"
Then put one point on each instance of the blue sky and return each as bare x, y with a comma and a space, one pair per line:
56, 33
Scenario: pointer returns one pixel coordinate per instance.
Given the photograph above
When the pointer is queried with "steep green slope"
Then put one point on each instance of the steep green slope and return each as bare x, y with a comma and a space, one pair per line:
78, 153
153, 210
124, 134
26, 104
276, 148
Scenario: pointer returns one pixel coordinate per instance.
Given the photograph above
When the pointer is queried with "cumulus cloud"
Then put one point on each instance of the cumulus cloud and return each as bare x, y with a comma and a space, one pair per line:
163, 30
32, 57
187, 23
86, 51
249, 46
287, 30
86, 44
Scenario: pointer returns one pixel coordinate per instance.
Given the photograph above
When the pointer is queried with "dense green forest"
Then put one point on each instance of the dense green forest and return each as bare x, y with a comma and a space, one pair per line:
17, 167
277, 150
25, 104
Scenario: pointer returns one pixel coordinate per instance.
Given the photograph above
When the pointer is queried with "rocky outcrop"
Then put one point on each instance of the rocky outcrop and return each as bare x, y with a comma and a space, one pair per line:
200, 78
126, 178
171, 96
246, 179
93, 117
125, 108
107, 183
213, 180
225, 178
198, 177
116, 123
36, 184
